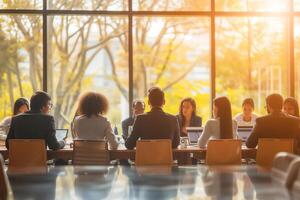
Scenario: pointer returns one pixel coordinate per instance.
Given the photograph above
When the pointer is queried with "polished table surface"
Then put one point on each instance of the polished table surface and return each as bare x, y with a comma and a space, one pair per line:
121, 182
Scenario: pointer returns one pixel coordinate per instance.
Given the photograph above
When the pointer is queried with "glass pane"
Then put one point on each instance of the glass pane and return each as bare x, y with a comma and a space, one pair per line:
251, 59
21, 4
251, 5
297, 55
88, 4
173, 53
87, 53
297, 5
171, 5
20, 59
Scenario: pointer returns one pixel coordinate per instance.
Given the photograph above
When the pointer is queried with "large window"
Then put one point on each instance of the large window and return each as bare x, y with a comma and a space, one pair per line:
21, 69
200, 49
172, 53
87, 53
251, 59
297, 56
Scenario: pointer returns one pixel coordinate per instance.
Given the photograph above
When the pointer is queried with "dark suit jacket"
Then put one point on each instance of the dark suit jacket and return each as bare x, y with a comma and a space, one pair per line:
155, 124
125, 124
34, 125
196, 121
276, 125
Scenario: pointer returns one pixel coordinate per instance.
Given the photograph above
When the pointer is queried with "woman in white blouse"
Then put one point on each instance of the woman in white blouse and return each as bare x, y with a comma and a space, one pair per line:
247, 118
221, 126
91, 124
21, 105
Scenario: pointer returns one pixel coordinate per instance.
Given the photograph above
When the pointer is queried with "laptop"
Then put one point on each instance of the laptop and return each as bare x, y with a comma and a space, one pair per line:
244, 132
61, 134
193, 134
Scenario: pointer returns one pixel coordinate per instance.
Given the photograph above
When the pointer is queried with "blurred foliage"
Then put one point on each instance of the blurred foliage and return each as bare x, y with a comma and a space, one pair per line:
91, 53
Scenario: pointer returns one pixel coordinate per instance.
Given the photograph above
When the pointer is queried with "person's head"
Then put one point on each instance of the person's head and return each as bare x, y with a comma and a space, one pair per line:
41, 102
290, 106
21, 105
156, 97
138, 107
93, 103
274, 103
248, 106
222, 110
187, 107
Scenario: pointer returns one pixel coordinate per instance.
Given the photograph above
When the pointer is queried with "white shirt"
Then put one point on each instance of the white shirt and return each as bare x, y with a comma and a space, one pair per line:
212, 131
240, 121
4, 127
93, 128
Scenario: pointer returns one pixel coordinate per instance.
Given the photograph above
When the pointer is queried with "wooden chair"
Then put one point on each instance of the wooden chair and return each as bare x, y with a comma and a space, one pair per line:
27, 155
90, 152
154, 152
5, 189
224, 152
269, 147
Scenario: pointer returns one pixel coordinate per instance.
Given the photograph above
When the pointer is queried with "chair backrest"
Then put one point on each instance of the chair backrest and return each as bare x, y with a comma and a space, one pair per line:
27, 155
154, 152
269, 147
224, 152
90, 152
285, 168
5, 189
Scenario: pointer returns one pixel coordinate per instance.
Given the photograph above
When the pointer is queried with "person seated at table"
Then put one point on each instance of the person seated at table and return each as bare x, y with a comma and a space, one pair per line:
274, 125
155, 124
247, 118
187, 116
290, 107
21, 105
91, 124
36, 123
138, 107
221, 126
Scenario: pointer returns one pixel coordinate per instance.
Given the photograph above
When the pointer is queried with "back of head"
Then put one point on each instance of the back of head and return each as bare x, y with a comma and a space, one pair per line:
156, 97
275, 102
39, 100
92, 103
224, 113
19, 103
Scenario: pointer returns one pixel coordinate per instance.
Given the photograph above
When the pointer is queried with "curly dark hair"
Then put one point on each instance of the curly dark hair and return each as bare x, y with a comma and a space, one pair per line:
93, 103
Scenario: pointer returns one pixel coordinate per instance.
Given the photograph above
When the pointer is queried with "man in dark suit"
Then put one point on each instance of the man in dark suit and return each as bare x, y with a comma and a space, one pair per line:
36, 123
274, 125
155, 124
138, 107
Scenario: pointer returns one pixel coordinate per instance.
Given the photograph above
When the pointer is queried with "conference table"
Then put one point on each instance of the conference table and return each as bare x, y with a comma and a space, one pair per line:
124, 182
184, 156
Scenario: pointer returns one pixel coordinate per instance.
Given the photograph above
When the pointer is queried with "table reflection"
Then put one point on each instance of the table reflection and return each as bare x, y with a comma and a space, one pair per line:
120, 182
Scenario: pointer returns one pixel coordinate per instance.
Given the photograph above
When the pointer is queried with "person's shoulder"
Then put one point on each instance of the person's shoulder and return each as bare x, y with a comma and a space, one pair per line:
293, 118
263, 118
238, 116
6, 120
170, 116
127, 120
212, 122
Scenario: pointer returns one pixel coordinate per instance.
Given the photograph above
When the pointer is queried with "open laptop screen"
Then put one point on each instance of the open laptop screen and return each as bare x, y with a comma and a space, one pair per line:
193, 134
244, 132
61, 134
